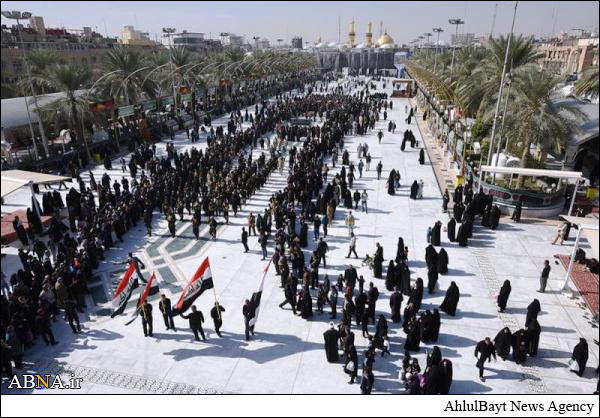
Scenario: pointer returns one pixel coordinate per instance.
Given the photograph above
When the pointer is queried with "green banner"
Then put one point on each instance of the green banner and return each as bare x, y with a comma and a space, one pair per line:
148, 105
186, 97
166, 101
126, 111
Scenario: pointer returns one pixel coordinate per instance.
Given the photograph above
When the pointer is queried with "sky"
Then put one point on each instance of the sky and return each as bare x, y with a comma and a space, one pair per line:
404, 21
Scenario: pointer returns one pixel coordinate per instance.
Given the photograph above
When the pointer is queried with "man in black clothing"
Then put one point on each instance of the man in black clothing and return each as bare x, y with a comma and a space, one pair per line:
216, 315
290, 296
71, 315
372, 296
322, 249
248, 312
165, 308
544, 277
146, 314
484, 351
245, 240
196, 319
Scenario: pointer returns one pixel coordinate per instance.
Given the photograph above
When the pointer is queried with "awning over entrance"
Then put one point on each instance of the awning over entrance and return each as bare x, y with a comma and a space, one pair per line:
14, 179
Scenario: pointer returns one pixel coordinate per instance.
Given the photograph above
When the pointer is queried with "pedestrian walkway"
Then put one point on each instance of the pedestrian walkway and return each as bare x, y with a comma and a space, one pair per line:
444, 172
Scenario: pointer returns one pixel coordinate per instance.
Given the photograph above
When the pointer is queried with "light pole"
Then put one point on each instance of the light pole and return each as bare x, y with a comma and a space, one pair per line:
455, 22
16, 15
168, 32
428, 35
497, 111
437, 44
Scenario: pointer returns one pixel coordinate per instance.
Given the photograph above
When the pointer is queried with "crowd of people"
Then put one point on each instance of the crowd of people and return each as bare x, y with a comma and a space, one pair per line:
215, 183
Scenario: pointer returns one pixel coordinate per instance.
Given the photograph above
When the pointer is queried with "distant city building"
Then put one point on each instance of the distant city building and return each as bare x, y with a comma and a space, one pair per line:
194, 41
78, 46
131, 36
231, 40
297, 42
463, 39
37, 24
569, 55
263, 44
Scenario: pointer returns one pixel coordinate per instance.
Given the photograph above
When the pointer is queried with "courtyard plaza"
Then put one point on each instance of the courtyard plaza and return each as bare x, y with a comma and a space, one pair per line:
287, 355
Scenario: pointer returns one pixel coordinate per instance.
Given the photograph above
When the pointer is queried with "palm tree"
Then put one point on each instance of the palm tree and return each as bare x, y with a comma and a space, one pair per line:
68, 78
587, 85
124, 72
479, 90
537, 118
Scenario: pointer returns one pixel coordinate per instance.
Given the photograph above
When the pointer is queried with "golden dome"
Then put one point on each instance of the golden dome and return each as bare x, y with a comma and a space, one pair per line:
385, 39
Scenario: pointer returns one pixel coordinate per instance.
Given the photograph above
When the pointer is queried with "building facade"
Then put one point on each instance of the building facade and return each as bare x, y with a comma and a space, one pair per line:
568, 55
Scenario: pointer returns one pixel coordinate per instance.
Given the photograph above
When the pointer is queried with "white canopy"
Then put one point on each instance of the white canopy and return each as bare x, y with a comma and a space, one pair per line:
533, 172
590, 228
14, 179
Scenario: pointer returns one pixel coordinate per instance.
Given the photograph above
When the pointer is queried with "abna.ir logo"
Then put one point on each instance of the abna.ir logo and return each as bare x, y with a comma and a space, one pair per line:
46, 381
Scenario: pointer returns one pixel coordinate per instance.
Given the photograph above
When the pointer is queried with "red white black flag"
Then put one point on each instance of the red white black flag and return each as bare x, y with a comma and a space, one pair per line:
151, 289
124, 291
198, 284
257, 296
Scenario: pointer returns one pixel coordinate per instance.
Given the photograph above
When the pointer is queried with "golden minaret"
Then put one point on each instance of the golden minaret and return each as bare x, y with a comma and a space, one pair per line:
352, 36
370, 36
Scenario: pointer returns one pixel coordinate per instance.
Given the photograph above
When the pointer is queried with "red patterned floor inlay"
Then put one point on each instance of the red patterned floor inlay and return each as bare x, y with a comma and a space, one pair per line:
586, 282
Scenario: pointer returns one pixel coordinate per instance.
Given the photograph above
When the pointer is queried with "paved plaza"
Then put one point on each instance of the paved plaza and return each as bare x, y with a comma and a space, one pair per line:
287, 355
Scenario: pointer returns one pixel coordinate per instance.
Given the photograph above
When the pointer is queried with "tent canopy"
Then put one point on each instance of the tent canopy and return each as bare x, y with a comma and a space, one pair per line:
533, 172
14, 179
9, 186
590, 230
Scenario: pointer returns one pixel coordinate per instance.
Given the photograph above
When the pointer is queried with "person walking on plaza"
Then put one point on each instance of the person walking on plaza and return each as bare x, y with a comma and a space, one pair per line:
544, 277
560, 234
251, 224
164, 306
248, 313
317, 227
352, 246
484, 351
146, 314
216, 315
263, 244
364, 198
71, 315
196, 319
350, 221
245, 240
379, 170
368, 159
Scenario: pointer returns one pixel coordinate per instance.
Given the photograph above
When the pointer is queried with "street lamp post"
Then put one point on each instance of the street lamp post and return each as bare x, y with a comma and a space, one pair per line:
16, 15
428, 35
168, 32
455, 22
438, 31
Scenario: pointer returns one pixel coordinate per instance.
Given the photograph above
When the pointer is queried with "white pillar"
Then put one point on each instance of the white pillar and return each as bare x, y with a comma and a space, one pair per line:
572, 262
573, 197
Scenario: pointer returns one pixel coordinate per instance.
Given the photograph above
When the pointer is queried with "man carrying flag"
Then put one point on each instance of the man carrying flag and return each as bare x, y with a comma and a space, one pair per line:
201, 282
124, 291
151, 289
165, 308
252, 307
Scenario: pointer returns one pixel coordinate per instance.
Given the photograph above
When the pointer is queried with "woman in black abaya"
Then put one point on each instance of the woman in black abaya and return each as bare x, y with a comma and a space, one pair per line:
451, 300
533, 311
443, 261
451, 230
390, 276
533, 337
414, 189
502, 343
503, 295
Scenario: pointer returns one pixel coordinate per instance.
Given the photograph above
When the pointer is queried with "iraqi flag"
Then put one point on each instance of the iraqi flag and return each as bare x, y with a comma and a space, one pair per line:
201, 282
151, 289
257, 296
124, 291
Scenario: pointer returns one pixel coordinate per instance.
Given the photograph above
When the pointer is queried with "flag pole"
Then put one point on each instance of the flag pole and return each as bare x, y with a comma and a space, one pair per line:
216, 301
